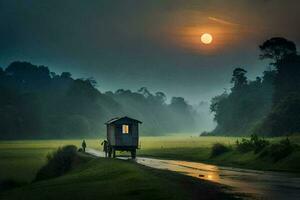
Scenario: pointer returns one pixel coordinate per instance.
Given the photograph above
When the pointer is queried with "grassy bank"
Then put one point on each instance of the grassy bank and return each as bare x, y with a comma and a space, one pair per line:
199, 149
117, 179
20, 160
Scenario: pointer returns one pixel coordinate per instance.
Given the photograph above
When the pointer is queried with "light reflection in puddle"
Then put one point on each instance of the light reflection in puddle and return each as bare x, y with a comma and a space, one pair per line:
198, 170
259, 184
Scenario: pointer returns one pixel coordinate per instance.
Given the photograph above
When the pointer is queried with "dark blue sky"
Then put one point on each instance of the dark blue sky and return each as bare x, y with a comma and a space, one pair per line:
130, 44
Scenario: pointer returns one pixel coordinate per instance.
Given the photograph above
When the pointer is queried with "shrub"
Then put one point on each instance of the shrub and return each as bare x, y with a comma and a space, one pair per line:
58, 163
280, 150
258, 143
206, 133
8, 184
219, 149
244, 146
255, 144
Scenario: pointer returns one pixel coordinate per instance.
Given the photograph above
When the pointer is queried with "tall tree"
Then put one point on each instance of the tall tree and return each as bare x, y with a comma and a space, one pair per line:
239, 78
277, 48
37, 103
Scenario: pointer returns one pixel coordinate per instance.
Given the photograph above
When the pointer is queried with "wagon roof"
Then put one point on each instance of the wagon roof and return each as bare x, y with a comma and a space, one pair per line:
113, 120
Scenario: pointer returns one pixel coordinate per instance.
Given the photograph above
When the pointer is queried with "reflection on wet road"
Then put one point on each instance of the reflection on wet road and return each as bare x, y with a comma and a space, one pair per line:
259, 184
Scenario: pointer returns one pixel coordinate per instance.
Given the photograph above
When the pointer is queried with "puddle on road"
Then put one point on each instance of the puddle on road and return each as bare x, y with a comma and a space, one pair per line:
259, 184
198, 170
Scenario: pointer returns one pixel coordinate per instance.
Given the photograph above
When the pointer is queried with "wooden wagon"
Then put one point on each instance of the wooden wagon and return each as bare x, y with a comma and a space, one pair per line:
122, 135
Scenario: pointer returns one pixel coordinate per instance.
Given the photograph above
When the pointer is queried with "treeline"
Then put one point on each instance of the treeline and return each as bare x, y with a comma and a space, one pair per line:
269, 105
38, 103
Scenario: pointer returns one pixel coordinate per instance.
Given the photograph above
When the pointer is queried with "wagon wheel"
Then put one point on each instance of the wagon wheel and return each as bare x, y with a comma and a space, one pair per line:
133, 154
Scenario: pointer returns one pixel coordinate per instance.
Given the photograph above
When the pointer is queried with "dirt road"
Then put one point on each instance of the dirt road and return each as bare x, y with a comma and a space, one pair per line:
258, 184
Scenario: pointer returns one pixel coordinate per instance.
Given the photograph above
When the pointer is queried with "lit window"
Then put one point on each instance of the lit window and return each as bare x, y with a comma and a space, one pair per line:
125, 129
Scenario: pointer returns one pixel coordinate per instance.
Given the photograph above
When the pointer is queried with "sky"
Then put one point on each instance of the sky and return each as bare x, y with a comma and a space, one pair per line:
154, 44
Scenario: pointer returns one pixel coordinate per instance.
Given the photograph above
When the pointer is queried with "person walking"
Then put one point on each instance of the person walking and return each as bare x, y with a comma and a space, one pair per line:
83, 145
105, 147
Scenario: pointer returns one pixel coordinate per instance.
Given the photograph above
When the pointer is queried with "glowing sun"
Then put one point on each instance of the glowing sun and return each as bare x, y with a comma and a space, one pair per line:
206, 38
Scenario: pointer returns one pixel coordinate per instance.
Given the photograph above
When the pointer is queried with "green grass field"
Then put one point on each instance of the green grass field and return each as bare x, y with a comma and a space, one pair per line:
199, 149
116, 180
20, 160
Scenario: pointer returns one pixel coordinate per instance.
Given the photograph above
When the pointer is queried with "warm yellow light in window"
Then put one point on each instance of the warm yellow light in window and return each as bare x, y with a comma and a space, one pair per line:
125, 129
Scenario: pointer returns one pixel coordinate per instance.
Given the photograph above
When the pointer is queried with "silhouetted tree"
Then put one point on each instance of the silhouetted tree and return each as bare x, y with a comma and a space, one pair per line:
285, 114
284, 118
239, 79
277, 48
269, 105
239, 112
1, 72
144, 91
37, 103
66, 75
160, 97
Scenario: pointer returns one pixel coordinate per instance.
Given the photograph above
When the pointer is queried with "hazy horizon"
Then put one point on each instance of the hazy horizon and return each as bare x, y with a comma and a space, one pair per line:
151, 44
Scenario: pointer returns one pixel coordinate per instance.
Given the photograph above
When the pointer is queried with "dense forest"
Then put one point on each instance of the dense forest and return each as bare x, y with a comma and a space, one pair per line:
269, 105
38, 103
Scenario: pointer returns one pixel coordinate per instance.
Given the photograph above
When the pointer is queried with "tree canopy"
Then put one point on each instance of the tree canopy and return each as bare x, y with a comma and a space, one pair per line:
38, 103
277, 48
268, 105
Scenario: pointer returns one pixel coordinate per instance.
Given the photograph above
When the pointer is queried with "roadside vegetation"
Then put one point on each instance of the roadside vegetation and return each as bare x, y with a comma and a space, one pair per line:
75, 175
60, 162
260, 147
219, 149
278, 153
21, 160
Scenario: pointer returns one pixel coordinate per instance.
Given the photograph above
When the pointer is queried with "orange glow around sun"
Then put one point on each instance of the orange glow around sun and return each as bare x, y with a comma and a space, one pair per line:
198, 33
205, 39
200, 39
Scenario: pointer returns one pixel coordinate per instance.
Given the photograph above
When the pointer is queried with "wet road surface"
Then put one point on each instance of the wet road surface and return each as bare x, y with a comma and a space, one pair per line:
256, 184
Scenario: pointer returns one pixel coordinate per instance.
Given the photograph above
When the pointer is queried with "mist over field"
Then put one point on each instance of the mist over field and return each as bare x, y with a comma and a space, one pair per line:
149, 99
38, 103
154, 67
